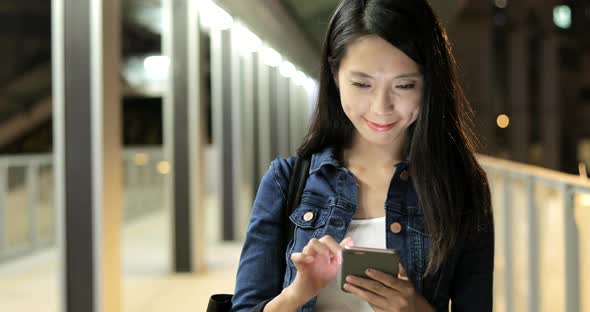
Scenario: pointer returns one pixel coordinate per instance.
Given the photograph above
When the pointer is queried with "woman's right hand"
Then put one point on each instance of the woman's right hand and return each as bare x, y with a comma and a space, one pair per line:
317, 265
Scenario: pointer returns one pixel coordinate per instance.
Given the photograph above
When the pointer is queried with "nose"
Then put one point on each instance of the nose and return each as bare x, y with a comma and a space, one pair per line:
382, 103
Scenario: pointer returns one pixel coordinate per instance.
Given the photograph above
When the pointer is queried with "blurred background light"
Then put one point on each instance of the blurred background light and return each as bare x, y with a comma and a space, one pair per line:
140, 159
146, 74
149, 16
311, 86
562, 16
213, 17
300, 78
271, 57
245, 39
503, 121
288, 69
157, 67
164, 167
502, 4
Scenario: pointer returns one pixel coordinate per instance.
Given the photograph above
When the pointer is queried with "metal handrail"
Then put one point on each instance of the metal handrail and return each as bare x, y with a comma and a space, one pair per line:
139, 189
543, 175
568, 185
142, 194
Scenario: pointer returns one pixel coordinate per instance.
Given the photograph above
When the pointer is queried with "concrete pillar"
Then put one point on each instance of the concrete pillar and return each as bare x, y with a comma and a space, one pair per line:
294, 121
87, 150
226, 127
519, 112
550, 102
283, 115
273, 83
184, 130
264, 115
472, 37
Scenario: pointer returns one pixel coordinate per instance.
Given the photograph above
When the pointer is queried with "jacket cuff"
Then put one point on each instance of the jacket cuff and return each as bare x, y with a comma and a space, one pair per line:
260, 307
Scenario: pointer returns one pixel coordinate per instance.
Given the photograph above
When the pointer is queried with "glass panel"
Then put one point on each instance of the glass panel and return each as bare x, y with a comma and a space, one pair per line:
520, 244
17, 210
551, 248
496, 181
29, 275
582, 215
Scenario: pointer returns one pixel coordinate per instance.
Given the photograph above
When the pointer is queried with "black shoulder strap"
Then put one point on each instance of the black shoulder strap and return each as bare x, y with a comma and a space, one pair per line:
296, 186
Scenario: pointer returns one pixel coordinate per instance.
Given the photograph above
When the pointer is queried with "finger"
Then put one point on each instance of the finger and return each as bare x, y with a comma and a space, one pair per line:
298, 257
382, 277
347, 242
333, 246
318, 247
370, 285
402, 273
309, 251
388, 280
370, 297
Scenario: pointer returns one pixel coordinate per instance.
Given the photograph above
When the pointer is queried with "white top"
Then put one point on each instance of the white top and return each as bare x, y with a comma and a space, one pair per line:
365, 233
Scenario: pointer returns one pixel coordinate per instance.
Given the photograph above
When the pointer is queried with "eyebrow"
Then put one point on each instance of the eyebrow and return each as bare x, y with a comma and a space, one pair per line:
365, 75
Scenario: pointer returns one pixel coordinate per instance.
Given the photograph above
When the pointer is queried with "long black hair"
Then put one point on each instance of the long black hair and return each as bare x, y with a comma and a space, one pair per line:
452, 187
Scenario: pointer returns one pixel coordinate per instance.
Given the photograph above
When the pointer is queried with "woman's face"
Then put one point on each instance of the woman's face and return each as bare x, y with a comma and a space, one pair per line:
380, 90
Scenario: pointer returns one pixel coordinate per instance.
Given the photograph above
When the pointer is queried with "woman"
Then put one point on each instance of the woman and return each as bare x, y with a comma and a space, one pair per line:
392, 166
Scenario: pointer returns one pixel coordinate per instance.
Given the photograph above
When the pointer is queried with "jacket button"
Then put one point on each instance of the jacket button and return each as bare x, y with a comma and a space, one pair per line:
404, 175
308, 216
395, 227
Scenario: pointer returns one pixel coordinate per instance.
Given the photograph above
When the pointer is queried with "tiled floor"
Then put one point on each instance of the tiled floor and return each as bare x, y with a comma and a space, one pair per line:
32, 282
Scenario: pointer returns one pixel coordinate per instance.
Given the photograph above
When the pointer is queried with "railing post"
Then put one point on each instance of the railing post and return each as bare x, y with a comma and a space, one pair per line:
572, 265
32, 201
533, 247
508, 280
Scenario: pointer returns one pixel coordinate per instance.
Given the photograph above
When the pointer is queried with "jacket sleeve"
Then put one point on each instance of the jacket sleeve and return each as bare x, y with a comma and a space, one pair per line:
259, 276
472, 284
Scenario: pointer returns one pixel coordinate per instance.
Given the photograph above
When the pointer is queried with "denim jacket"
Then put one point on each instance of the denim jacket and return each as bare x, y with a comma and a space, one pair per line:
330, 195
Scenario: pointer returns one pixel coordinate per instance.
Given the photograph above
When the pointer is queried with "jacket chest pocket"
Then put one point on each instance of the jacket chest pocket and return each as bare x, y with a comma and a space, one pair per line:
310, 220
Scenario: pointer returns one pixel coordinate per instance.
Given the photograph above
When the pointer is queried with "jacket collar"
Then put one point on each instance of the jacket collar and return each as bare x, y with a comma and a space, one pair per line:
325, 157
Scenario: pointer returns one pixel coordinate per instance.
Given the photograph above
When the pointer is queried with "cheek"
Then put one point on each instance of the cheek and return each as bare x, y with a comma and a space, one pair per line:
413, 108
351, 103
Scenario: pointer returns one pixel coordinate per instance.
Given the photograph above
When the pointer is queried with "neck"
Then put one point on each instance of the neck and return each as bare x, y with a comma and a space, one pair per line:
362, 152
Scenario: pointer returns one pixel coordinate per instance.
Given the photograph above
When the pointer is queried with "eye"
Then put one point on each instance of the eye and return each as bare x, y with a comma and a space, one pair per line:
361, 85
406, 86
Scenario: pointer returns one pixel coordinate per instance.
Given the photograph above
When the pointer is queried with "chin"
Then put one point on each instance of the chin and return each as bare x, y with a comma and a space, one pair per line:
381, 140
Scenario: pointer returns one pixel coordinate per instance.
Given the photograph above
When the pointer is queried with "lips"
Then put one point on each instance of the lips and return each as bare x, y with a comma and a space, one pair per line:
380, 127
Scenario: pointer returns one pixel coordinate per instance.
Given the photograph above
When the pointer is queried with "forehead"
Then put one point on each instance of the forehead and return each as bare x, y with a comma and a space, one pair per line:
375, 56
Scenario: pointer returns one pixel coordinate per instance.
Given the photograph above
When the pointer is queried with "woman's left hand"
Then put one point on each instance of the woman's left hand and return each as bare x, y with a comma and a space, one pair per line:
385, 292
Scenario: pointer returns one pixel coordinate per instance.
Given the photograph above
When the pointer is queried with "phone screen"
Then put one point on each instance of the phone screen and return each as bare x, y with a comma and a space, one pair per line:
356, 260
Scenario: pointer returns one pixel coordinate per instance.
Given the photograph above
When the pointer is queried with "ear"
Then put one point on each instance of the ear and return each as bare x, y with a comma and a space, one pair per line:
335, 76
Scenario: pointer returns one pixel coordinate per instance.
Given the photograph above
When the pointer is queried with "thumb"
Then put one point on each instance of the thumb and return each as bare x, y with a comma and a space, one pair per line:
347, 242
403, 275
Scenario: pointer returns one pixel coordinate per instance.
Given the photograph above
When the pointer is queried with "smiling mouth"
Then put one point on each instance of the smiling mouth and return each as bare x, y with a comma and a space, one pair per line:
380, 127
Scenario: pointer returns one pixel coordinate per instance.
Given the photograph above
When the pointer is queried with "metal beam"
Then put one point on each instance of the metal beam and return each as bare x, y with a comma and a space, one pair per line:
270, 20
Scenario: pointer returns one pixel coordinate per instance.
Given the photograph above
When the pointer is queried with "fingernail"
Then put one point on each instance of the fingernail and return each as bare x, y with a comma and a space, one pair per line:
370, 271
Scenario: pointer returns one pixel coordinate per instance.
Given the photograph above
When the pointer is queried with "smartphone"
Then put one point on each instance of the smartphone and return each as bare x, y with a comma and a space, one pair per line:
356, 260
